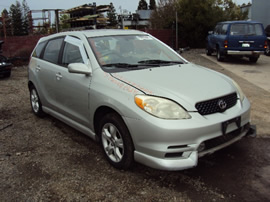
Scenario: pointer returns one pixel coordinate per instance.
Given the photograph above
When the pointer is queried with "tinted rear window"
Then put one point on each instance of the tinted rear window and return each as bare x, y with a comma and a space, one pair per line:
246, 29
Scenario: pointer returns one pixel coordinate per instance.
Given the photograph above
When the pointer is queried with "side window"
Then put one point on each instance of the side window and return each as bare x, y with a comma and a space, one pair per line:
52, 50
71, 54
224, 29
39, 48
217, 29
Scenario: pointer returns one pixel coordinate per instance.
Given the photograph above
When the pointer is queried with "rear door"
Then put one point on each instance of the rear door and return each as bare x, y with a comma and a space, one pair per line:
246, 37
45, 71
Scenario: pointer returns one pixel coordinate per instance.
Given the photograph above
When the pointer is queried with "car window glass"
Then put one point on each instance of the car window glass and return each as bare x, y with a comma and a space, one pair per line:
133, 49
246, 29
52, 50
38, 50
71, 54
224, 29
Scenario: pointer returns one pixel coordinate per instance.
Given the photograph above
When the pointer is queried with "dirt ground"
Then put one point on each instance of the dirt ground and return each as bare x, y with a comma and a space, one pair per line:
46, 160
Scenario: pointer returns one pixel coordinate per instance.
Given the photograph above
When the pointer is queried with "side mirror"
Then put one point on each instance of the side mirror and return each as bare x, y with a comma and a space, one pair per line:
79, 68
210, 32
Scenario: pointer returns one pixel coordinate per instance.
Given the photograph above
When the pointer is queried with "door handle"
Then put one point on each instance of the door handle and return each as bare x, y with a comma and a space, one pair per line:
38, 68
59, 76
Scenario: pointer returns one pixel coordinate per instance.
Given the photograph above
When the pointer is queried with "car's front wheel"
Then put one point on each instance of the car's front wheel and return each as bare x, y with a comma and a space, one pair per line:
35, 102
116, 141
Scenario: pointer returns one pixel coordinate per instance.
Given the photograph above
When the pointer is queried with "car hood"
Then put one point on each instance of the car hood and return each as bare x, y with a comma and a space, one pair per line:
186, 84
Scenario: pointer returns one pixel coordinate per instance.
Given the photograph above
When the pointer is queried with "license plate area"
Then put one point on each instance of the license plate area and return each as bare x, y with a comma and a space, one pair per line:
225, 124
245, 45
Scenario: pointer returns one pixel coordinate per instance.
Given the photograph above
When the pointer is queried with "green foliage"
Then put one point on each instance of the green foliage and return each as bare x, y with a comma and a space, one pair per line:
142, 5
152, 5
25, 18
112, 15
195, 17
5, 15
63, 21
15, 13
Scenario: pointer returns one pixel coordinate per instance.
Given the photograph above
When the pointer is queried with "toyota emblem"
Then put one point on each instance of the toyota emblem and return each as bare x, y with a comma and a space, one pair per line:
222, 105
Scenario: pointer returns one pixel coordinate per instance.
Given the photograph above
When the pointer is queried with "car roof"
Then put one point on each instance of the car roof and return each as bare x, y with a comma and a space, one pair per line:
96, 33
241, 22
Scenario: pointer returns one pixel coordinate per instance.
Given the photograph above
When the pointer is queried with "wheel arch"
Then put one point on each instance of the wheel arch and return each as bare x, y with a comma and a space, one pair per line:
101, 112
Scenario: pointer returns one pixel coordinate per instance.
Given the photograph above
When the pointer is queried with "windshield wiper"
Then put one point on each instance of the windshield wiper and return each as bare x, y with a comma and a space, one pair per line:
159, 62
127, 65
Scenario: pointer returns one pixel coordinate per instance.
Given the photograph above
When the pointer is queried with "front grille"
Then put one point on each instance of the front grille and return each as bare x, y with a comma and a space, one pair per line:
219, 104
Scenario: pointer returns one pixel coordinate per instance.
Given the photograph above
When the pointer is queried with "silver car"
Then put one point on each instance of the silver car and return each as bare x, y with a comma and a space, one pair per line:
140, 99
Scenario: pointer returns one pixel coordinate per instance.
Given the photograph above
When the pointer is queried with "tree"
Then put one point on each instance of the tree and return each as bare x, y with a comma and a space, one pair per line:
112, 15
25, 18
152, 5
16, 18
6, 21
195, 17
63, 21
142, 5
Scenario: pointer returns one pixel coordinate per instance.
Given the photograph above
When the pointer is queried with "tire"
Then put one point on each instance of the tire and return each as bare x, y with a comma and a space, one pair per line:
35, 102
220, 57
267, 51
116, 141
208, 51
253, 59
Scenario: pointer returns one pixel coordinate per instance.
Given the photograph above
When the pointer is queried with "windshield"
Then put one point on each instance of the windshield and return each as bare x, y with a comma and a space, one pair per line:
246, 29
132, 52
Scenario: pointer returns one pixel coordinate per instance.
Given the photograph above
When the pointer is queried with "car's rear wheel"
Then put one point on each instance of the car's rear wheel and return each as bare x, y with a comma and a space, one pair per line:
35, 102
267, 51
253, 59
116, 141
220, 56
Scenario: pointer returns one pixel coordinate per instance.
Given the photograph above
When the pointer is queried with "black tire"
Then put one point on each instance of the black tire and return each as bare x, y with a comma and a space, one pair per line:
35, 102
253, 59
267, 51
208, 51
220, 56
116, 141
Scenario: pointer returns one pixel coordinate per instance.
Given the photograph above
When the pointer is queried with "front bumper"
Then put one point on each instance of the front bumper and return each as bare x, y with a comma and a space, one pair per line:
248, 53
177, 144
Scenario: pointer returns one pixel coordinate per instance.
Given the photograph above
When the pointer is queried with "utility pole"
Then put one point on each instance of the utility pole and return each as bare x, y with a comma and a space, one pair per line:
176, 31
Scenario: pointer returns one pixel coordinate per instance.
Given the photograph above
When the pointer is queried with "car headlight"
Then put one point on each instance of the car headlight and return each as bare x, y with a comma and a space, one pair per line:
161, 107
239, 90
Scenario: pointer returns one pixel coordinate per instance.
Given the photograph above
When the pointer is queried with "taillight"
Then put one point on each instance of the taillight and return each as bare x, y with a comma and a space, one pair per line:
265, 44
225, 44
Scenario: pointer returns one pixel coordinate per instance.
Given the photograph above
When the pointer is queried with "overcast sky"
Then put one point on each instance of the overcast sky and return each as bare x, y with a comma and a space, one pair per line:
129, 5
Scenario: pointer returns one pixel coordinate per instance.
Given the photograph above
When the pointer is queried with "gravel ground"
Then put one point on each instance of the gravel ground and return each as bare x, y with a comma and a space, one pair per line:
46, 160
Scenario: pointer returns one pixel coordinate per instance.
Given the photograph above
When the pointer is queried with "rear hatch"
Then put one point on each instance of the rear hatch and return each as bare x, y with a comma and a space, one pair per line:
246, 37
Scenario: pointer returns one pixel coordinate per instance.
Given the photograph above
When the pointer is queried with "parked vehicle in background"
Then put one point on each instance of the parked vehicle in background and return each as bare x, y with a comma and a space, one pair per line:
137, 96
5, 67
267, 32
237, 38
